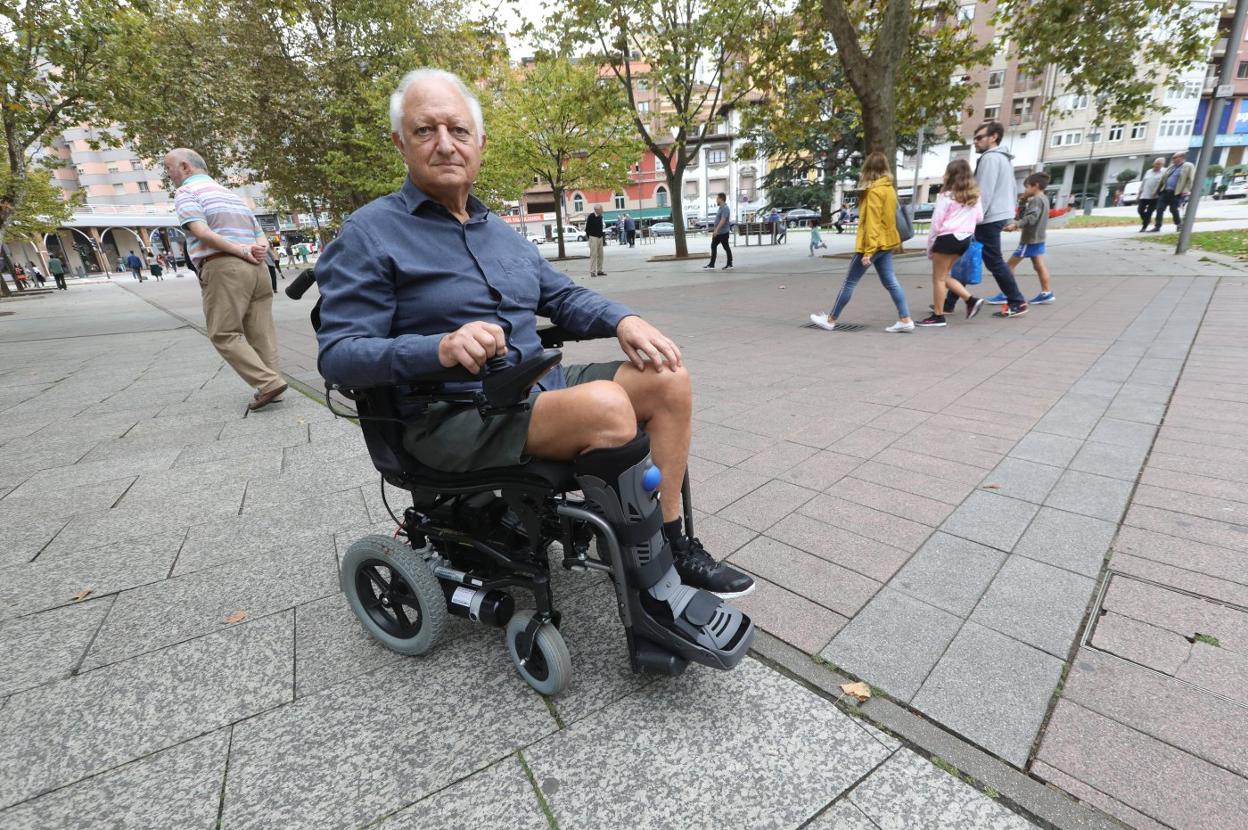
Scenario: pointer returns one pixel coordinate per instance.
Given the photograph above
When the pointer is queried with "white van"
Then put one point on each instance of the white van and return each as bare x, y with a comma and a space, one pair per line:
1131, 193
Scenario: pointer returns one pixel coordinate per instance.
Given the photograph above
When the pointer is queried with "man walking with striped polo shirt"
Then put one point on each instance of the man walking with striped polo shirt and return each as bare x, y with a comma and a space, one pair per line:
228, 249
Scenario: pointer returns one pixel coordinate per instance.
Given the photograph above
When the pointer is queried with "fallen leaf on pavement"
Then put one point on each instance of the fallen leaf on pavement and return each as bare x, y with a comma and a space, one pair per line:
237, 616
859, 690
83, 594
992, 486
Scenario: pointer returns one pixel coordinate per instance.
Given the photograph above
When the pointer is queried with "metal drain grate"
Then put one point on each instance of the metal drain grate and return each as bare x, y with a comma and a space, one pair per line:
846, 327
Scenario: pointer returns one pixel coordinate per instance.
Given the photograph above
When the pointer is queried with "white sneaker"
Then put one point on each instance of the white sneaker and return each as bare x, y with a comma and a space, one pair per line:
822, 321
900, 326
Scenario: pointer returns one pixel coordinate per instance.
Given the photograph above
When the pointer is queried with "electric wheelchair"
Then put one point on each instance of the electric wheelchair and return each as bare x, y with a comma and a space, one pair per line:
468, 539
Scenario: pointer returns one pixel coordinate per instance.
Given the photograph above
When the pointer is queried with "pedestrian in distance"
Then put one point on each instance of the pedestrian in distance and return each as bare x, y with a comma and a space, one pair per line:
34, 272
1150, 188
20, 277
135, 265
1176, 186
228, 249
995, 174
595, 233
1034, 224
630, 230
719, 233
619, 230
958, 210
58, 272
839, 217
816, 239
877, 239
155, 269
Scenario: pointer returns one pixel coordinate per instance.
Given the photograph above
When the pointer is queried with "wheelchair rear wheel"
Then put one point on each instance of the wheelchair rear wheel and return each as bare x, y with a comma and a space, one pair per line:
396, 597
549, 668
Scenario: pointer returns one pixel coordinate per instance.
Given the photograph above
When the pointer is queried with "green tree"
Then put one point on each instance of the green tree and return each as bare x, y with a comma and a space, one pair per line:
62, 63
566, 125
699, 55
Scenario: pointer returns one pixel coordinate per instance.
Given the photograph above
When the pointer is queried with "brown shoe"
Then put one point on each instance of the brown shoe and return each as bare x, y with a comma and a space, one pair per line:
263, 399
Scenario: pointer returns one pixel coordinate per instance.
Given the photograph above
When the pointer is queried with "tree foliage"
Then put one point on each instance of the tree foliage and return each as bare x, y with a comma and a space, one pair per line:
295, 93
62, 63
701, 56
566, 125
43, 207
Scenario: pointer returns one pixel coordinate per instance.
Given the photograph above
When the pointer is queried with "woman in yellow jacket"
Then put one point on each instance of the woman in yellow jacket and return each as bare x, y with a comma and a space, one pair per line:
877, 237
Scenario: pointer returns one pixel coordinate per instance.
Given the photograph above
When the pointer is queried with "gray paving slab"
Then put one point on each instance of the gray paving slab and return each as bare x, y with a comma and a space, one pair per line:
807, 575
949, 572
1095, 798
991, 689
1163, 707
1232, 511
40, 648
723, 489
908, 792
22, 540
1074, 416
177, 787
867, 521
1067, 540
890, 500
842, 815
280, 528
153, 616
778, 458
141, 706
1037, 604
1110, 460
243, 446
991, 519
1164, 783
1022, 479
912, 481
893, 642
609, 767
858, 553
499, 797
720, 536
1184, 614
1045, 448
355, 748
1218, 670
1090, 495
1186, 526
1122, 433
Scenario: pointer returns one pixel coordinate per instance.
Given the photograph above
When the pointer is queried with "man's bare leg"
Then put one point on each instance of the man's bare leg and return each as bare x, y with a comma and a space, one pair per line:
663, 402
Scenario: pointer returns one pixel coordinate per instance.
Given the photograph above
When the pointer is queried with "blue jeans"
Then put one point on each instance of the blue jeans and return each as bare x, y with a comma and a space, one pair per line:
883, 262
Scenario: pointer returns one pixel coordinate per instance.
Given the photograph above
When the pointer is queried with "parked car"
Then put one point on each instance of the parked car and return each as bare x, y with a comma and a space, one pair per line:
662, 229
1131, 192
572, 234
800, 216
1236, 188
536, 238
923, 212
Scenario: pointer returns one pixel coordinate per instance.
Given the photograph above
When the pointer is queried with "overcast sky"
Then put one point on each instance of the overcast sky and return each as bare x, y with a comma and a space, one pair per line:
510, 13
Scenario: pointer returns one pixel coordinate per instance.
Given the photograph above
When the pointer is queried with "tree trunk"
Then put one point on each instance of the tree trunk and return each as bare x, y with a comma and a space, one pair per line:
558, 194
879, 125
677, 197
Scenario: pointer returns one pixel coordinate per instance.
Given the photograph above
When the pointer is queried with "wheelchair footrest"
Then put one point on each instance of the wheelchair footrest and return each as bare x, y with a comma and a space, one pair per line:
653, 658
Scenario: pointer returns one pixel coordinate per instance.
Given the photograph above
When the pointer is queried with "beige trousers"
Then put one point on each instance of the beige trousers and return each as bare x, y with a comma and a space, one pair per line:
238, 305
595, 255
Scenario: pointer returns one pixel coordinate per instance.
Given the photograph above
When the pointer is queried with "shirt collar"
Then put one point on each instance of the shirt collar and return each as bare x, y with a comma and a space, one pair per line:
196, 177
414, 197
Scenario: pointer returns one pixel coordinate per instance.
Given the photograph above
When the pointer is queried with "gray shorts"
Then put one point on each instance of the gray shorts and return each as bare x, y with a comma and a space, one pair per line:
453, 437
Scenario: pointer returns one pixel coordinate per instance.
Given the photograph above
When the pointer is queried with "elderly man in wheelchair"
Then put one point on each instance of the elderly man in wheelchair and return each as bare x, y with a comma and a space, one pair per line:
428, 321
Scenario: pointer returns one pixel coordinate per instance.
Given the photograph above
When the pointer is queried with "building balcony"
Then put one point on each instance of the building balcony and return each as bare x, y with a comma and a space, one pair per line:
1219, 47
1024, 122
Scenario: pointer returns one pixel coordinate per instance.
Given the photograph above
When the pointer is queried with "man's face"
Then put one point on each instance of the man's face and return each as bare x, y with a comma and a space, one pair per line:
598, 211
1177, 159
983, 140
439, 139
1158, 164
720, 200
175, 169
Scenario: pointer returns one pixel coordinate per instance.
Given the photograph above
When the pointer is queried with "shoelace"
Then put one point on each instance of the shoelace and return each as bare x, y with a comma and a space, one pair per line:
695, 556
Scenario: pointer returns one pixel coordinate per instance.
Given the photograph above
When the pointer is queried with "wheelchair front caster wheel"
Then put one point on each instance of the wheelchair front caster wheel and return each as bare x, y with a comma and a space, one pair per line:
394, 594
549, 668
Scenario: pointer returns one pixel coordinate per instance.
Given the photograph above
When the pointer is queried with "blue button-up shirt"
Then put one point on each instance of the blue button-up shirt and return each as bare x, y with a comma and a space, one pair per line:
404, 273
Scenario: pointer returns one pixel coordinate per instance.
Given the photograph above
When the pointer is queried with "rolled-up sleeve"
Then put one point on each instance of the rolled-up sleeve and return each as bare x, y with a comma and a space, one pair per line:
575, 307
356, 281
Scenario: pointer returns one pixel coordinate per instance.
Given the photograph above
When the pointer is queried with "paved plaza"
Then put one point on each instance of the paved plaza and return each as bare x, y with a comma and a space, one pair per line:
1027, 535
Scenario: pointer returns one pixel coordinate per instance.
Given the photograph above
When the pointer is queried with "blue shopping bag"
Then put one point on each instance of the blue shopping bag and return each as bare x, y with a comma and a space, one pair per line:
969, 269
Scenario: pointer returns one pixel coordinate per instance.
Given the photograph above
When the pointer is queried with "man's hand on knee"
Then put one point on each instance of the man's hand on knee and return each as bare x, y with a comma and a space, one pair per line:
471, 345
642, 341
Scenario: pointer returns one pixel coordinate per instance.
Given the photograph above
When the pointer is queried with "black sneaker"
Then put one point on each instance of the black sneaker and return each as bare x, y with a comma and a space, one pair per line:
1012, 311
973, 305
710, 267
951, 303
933, 321
698, 569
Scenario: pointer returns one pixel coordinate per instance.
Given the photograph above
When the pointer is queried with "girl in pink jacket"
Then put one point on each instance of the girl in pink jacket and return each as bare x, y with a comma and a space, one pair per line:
958, 211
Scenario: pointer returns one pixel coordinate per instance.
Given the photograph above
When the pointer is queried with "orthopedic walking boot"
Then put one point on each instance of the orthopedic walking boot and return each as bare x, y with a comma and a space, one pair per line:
667, 617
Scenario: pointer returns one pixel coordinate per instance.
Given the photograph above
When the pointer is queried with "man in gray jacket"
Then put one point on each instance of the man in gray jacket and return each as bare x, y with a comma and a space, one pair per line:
1176, 186
995, 174
1150, 187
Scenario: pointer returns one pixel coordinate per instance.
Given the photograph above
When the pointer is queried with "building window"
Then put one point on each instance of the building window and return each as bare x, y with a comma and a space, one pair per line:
660, 196
996, 78
642, 84
619, 201
1115, 132
144, 188
716, 156
578, 203
1241, 71
1138, 130
691, 190
991, 113
1077, 102
112, 168
135, 164
1067, 138
1175, 127
643, 106
1094, 136
119, 190
1187, 90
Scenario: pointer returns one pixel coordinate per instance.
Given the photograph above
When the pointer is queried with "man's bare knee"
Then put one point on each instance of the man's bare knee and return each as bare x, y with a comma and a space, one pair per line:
613, 421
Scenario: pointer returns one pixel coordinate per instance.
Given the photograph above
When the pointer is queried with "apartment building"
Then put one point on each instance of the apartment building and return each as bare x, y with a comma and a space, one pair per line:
1231, 138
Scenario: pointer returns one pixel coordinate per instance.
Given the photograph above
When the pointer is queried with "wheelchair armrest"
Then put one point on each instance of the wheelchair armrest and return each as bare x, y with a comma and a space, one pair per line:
553, 337
503, 386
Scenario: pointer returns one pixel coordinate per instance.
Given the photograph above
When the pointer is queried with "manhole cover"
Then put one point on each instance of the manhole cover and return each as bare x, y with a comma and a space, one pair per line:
839, 327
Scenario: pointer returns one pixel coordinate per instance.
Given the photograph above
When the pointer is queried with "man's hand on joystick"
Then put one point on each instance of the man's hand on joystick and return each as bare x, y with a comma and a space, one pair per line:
471, 345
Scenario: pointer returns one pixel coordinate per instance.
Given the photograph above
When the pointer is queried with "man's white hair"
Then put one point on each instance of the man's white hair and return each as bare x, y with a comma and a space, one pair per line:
418, 75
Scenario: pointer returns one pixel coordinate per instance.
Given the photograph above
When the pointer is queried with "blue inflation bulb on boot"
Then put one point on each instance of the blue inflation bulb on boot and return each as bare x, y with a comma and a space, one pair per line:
650, 479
